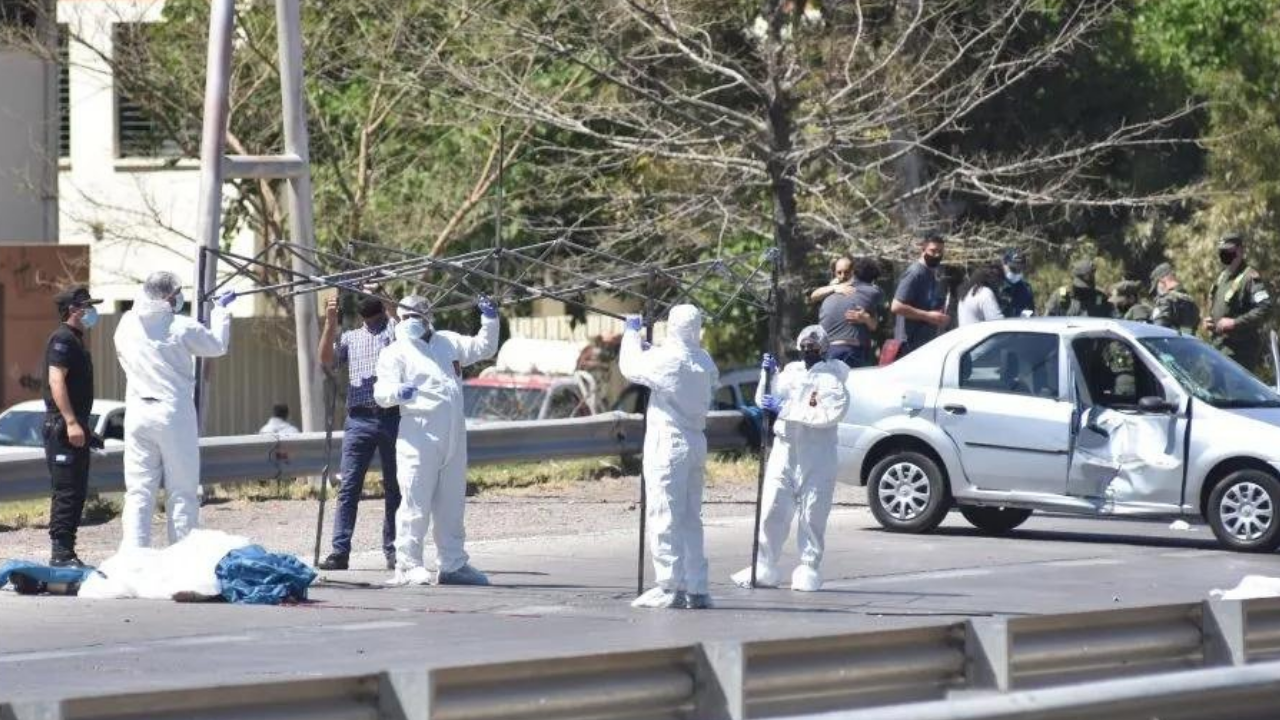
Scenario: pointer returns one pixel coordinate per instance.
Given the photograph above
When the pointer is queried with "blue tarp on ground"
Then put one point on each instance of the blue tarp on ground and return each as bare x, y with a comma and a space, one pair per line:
253, 576
41, 574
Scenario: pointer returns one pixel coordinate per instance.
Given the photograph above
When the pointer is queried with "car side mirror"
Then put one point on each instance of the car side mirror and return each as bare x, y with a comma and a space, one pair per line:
1155, 405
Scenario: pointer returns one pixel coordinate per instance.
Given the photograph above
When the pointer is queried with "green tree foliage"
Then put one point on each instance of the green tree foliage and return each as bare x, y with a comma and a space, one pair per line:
1227, 51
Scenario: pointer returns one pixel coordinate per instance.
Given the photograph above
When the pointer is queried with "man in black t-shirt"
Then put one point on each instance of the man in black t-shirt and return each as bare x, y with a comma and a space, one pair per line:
919, 302
68, 400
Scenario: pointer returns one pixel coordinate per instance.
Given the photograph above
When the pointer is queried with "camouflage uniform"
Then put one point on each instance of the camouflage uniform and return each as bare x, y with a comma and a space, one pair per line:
1083, 298
1124, 298
1174, 308
1243, 297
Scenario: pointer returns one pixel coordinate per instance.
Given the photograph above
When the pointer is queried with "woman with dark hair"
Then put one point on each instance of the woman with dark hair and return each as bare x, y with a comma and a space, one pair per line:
978, 296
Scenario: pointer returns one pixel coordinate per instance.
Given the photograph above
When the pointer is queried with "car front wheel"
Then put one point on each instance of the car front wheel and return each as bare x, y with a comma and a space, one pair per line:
995, 520
907, 493
1242, 511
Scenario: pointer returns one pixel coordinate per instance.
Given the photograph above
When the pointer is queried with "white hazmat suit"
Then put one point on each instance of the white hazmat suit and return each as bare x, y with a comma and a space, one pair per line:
682, 379
800, 475
431, 448
157, 349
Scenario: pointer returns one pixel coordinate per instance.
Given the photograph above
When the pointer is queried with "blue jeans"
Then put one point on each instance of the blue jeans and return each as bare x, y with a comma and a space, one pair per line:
362, 436
855, 356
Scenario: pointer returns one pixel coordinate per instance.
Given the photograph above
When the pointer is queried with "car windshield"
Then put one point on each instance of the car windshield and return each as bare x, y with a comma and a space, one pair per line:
23, 428
1209, 375
501, 403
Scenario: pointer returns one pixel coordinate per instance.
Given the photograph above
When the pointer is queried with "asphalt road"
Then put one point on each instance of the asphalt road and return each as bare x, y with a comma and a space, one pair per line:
569, 595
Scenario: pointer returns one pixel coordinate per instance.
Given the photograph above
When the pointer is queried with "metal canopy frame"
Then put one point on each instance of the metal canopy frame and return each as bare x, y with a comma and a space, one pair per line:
571, 270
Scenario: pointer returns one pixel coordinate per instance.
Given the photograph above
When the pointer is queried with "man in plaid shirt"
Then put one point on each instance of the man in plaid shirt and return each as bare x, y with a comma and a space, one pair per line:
368, 428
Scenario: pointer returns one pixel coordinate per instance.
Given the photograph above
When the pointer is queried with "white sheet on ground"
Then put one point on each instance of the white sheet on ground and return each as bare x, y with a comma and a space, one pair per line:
186, 567
1251, 586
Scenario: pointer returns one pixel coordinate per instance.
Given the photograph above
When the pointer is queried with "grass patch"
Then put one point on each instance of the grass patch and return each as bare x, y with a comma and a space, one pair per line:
23, 514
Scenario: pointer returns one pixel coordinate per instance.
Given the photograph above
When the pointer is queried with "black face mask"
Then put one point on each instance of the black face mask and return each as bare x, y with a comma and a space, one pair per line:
1227, 256
811, 357
932, 261
370, 307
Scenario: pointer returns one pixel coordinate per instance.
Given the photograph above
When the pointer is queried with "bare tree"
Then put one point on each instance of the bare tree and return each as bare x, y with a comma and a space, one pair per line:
807, 125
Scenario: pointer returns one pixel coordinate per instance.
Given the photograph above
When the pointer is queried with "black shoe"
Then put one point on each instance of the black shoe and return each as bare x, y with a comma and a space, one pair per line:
70, 561
335, 561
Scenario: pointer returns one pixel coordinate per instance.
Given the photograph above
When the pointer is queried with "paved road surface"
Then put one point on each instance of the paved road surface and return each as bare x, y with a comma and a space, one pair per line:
568, 594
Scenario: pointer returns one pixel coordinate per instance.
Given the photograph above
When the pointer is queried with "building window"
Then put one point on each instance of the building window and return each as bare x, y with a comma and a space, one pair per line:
139, 130
64, 91
19, 14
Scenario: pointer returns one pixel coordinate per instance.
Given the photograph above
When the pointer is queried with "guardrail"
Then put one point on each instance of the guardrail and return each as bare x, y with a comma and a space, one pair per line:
1191, 661
241, 458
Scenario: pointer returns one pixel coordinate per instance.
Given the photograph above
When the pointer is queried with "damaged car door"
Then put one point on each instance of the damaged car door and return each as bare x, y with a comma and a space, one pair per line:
1129, 429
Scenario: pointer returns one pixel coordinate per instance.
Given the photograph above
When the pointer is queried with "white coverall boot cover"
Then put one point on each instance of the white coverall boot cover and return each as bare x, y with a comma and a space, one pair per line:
806, 579
682, 379
660, 598
801, 472
431, 448
766, 576
157, 349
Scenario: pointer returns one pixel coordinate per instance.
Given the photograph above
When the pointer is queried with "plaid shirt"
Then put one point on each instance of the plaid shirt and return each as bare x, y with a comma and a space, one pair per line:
358, 349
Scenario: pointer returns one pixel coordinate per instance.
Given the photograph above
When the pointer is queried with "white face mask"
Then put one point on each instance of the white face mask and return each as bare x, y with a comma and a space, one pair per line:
179, 303
1012, 277
411, 329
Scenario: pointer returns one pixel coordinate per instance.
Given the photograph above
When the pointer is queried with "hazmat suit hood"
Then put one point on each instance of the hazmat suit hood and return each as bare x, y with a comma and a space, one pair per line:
144, 305
684, 325
813, 334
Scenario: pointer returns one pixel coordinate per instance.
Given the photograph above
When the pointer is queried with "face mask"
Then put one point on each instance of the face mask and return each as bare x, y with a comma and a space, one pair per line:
1227, 256
179, 303
811, 357
1013, 277
932, 261
412, 329
90, 317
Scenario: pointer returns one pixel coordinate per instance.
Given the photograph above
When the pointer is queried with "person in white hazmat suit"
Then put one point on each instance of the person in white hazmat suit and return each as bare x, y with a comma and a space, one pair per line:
421, 372
809, 398
157, 346
682, 379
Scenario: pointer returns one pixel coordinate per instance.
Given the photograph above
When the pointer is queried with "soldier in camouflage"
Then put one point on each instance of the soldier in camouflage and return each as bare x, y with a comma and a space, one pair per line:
1174, 308
1083, 298
1238, 306
1124, 298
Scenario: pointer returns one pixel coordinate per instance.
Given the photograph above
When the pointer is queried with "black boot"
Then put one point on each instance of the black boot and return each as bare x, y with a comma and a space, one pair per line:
65, 559
335, 561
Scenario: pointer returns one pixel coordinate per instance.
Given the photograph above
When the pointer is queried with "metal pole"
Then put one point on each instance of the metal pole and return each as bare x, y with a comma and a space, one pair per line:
497, 214
212, 149
644, 496
766, 427
301, 221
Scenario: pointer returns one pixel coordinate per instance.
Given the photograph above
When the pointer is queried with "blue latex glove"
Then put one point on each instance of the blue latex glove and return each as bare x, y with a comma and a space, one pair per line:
633, 323
771, 403
225, 298
769, 362
407, 391
487, 308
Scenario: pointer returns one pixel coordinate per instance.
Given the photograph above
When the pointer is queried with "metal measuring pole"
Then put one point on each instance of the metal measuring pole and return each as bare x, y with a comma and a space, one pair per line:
766, 427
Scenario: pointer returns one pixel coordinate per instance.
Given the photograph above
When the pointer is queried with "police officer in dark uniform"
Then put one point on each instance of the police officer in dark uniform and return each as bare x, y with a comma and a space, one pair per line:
1238, 306
1083, 298
1015, 296
1174, 308
68, 398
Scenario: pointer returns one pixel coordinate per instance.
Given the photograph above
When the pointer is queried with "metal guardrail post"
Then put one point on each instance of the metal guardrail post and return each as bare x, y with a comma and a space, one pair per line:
404, 695
986, 655
1224, 633
720, 675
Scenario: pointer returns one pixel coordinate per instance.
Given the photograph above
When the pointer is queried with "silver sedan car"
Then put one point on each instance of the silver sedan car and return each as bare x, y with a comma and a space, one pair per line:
1077, 415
